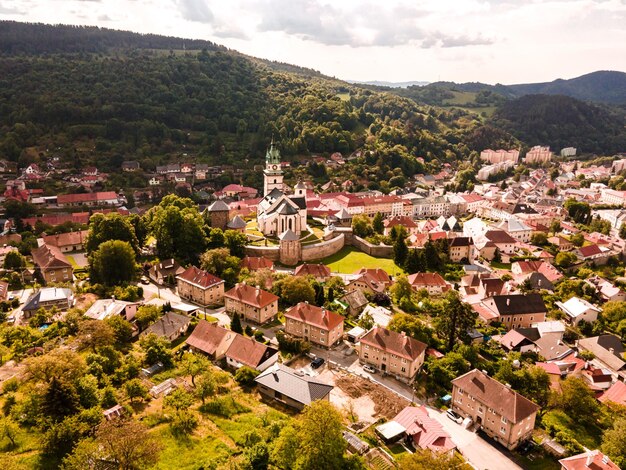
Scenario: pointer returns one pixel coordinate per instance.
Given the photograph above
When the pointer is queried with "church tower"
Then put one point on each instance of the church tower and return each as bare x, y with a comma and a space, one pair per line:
273, 174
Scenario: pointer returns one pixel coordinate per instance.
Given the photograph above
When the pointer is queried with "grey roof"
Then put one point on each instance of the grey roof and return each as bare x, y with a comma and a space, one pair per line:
300, 185
47, 294
299, 201
286, 209
168, 324
293, 384
601, 346
236, 223
218, 206
539, 281
288, 236
519, 304
343, 214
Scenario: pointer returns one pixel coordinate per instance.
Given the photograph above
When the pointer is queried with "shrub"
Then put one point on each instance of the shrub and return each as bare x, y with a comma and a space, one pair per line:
245, 376
224, 406
292, 345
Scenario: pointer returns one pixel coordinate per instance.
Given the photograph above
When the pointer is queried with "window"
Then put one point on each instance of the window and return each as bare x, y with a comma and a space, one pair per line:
459, 400
403, 369
365, 355
502, 430
504, 420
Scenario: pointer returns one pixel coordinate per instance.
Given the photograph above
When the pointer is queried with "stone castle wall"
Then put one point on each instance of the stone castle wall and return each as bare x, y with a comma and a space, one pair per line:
323, 249
269, 252
378, 251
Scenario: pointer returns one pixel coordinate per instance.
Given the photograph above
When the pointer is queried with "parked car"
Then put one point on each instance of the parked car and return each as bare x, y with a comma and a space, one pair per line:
369, 368
317, 362
454, 416
526, 447
145, 280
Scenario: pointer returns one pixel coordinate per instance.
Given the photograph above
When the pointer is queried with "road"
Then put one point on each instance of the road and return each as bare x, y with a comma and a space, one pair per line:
478, 451
23, 295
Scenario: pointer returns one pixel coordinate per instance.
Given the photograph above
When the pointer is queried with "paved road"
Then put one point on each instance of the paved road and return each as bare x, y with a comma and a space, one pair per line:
23, 295
479, 452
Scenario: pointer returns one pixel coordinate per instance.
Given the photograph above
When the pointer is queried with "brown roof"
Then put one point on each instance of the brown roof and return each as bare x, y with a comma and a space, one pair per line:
198, 277
590, 250
316, 316
401, 220
249, 352
254, 263
499, 236
50, 257
497, 396
208, 336
86, 197
315, 270
427, 279
66, 239
395, 343
379, 274
251, 295
4, 289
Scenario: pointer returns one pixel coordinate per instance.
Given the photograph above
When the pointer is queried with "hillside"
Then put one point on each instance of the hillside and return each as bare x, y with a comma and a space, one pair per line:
126, 100
561, 121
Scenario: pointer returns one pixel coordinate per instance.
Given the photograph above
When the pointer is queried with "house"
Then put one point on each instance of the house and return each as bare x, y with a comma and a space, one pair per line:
314, 324
102, 309
578, 310
66, 242
366, 283
503, 414
516, 228
252, 303
606, 289
200, 287
590, 460
462, 248
391, 352
170, 326
291, 387
594, 254
131, 166
549, 345
52, 265
432, 282
355, 301
254, 263
320, 272
106, 198
248, 352
608, 351
521, 270
418, 429
400, 221
165, 272
4, 290
615, 394
513, 311
504, 242
47, 298
210, 339
378, 274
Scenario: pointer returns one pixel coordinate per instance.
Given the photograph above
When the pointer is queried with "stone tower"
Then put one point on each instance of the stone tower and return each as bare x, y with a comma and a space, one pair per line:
217, 214
290, 250
273, 173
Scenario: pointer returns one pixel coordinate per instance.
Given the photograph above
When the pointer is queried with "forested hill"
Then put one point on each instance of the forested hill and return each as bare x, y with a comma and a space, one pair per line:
561, 121
38, 38
214, 106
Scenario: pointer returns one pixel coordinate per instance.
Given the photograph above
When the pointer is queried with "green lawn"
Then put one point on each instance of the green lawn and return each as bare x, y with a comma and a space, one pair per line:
588, 436
349, 259
190, 452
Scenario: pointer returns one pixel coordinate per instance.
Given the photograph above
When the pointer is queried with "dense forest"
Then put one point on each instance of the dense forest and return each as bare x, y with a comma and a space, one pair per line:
561, 121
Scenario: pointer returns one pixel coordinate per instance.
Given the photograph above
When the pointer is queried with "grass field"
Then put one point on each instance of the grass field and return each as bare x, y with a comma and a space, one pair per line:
349, 259
588, 436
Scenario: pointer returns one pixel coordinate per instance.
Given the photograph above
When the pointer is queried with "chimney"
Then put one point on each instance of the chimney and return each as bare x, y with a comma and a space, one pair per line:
507, 385
612, 351
508, 301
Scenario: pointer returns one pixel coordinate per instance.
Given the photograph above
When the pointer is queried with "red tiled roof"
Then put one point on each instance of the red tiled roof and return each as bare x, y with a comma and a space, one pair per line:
315, 270
427, 279
49, 257
254, 263
426, 432
316, 316
615, 394
207, 336
589, 250
395, 343
251, 295
66, 239
579, 462
86, 197
550, 368
198, 277
249, 352
378, 274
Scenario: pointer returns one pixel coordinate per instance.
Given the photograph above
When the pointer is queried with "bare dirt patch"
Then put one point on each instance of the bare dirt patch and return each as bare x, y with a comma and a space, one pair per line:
84, 301
11, 369
386, 403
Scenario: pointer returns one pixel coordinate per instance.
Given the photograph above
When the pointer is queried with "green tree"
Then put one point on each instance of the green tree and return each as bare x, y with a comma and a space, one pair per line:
128, 443
622, 231
361, 226
147, 315
539, 239
425, 459
14, 260
579, 211
206, 386
564, 259
400, 252
194, 365
235, 324
415, 262
432, 258
60, 399
235, 242
10, 431
614, 442
577, 400
219, 262
156, 349
113, 263
179, 399
458, 318
136, 389
95, 334
401, 289
112, 226
245, 376
577, 239
122, 329
413, 327
377, 224
295, 289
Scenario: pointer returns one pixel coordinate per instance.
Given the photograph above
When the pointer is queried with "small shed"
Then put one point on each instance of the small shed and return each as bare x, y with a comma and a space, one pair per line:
114, 412
391, 431
164, 388
355, 445
355, 334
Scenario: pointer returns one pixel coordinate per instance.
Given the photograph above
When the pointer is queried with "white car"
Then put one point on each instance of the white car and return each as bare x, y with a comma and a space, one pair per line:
369, 368
454, 416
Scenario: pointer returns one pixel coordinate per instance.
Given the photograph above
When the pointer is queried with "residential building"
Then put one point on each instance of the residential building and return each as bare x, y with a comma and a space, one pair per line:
513, 311
391, 352
402, 221
538, 154
499, 156
200, 287
47, 298
107, 198
516, 228
502, 413
254, 263
314, 324
366, 282
52, 265
252, 303
210, 339
432, 282
319, 272
490, 170
66, 242
596, 255
462, 248
378, 274
4, 251
606, 290
165, 272
250, 353
578, 310
291, 387
102, 309
170, 326
568, 152
589, 460
613, 197
608, 351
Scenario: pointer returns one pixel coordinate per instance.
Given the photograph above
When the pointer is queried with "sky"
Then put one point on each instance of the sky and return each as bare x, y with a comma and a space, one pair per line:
492, 41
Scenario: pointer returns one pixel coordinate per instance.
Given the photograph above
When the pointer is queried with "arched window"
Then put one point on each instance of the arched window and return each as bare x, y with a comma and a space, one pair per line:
290, 224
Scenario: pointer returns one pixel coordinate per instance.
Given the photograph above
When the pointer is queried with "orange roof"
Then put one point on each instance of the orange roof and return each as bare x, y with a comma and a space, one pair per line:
316, 316
207, 336
427, 279
615, 394
395, 343
50, 257
251, 295
378, 274
86, 197
66, 239
591, 460
254, 263
315, 270
198, 277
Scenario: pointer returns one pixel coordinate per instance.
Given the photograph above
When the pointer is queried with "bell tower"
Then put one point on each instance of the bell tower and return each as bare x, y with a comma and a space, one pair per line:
272, 174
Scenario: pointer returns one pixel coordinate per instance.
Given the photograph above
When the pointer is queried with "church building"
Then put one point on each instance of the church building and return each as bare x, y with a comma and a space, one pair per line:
278, 212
